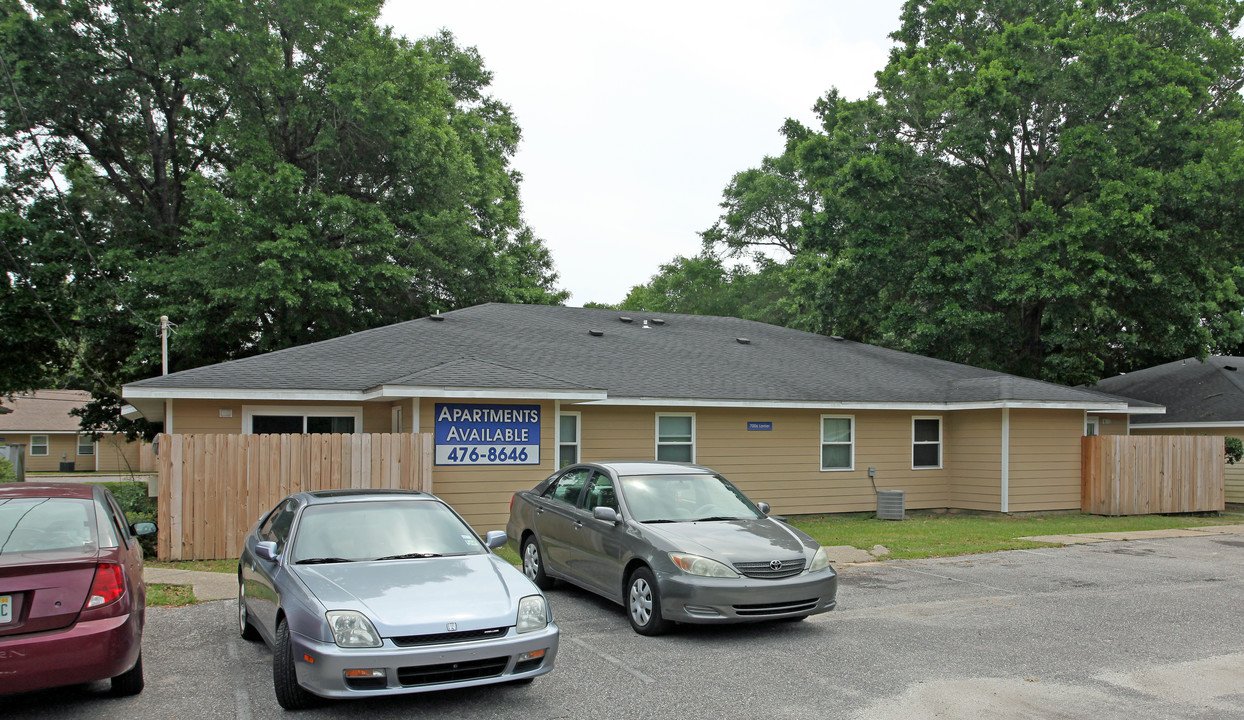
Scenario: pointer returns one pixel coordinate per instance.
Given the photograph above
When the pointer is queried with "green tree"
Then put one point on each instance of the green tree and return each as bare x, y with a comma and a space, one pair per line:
267, 173
1049, 189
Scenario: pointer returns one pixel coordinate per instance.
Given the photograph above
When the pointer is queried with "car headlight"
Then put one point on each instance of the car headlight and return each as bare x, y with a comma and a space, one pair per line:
352, 629
697, 565
820, 561
533, 614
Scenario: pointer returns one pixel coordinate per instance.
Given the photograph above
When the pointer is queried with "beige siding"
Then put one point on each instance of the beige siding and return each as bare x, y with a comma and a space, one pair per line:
61, 448
1045, 460
1111, 423
192, 417
116, 455
1235, 473
481, 493
974, 455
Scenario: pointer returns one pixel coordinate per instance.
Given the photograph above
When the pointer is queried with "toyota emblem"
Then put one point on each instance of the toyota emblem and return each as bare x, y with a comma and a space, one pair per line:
775, 565
454, 626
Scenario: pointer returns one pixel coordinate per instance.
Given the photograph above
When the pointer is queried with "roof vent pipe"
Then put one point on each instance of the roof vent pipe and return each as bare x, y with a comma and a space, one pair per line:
647, 326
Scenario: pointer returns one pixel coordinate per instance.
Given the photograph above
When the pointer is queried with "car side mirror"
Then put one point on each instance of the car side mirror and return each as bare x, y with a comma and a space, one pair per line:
495, 539
143, 528
266, 550
763, 507
607, 514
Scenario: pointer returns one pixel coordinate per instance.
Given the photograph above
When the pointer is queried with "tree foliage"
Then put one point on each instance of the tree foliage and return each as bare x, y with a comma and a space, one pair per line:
266, 173
1051, 189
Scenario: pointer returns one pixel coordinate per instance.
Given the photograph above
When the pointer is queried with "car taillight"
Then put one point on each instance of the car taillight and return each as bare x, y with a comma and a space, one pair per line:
108, 585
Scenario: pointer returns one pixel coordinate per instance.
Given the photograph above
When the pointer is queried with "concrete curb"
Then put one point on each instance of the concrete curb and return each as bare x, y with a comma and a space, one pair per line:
207, 585
1086, 538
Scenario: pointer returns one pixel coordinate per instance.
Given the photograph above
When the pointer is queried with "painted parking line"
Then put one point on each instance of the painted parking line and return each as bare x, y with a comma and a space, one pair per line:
612, 660
953, 579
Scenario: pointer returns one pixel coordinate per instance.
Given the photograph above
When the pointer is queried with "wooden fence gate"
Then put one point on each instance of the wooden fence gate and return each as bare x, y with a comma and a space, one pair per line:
1150, 474
214, 487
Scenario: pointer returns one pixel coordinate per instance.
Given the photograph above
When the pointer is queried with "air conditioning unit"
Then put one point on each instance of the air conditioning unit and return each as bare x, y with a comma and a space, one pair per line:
890, 504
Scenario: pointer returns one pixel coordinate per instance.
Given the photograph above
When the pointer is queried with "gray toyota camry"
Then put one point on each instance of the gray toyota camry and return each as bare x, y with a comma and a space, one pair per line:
671, 543
378, 592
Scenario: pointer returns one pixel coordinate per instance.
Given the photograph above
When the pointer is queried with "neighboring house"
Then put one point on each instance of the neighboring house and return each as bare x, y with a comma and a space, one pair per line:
1201, 398
805, 422
40, 420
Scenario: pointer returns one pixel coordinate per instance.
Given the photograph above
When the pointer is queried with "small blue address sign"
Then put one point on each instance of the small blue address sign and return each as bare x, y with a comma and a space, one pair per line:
759, 425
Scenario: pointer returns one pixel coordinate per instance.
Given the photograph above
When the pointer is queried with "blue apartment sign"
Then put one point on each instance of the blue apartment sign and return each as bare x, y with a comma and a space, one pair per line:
760, 425
471, 434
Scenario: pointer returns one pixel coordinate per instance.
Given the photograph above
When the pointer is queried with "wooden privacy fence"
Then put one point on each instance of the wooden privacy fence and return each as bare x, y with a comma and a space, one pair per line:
1149, 474
214, 487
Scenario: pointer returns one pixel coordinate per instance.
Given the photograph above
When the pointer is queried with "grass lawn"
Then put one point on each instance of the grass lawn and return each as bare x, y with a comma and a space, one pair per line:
228, 565
160, 595
933, 535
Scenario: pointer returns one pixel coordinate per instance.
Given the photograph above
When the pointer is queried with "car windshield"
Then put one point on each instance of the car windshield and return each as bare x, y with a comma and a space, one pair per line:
376, 530
47, 525
685, 498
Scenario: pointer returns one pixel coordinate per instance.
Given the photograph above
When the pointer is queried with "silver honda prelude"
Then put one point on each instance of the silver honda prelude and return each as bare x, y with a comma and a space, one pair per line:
379, 592
670, 542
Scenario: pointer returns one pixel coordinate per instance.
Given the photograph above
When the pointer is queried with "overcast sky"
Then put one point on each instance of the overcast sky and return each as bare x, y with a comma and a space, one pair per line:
635, 116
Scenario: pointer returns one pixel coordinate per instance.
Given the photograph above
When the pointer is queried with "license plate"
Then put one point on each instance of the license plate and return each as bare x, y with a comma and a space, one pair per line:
6, 609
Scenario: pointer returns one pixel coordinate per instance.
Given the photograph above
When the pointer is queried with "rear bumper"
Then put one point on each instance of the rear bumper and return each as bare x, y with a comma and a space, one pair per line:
422, 669
693, 599
83, 652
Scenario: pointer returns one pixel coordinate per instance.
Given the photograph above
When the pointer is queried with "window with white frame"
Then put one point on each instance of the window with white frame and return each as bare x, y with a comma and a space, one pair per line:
568, 425
276, 420
1091, 426
926, 442
38, 445
676, 437
837, 442
86, 446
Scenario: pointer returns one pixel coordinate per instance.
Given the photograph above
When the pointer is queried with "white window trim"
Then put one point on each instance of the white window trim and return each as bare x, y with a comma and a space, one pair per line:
851, 443
578, 443
657, 434
250, 411
941, 449
1094, 422
86, 454
47, 446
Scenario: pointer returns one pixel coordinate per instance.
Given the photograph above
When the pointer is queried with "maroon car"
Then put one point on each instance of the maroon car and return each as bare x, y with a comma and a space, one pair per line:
72, 598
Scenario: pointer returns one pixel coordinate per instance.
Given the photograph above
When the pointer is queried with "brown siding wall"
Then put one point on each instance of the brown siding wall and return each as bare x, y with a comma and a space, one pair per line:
1235, 473
1045, 459
974, 455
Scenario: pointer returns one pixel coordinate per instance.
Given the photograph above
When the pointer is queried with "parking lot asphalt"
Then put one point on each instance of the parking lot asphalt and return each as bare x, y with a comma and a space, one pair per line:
1149, 628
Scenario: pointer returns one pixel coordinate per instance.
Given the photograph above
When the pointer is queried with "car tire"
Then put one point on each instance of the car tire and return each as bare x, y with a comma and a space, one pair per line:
245, 629
129, 682
643, 604
289, 694
533, 564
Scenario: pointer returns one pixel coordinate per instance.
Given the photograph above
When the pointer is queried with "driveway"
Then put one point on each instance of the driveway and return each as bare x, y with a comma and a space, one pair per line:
1110, 630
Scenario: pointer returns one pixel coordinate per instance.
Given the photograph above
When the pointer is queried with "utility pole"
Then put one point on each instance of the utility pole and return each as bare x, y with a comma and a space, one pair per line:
164, 344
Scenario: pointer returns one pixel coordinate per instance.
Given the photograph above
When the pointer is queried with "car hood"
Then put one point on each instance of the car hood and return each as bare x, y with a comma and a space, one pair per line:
733, 541
414, 597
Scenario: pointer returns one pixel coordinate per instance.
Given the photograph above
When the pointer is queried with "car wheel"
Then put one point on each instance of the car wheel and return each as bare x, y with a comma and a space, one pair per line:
247, 630
533, 564
129, 682
643, 604
289, 694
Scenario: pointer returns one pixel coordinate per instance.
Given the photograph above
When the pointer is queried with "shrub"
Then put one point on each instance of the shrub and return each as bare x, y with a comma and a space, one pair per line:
132, 497
7, 472
1235, 450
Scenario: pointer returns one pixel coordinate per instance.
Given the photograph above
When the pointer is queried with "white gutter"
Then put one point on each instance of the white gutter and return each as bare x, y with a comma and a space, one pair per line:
1006, 459
1165, 426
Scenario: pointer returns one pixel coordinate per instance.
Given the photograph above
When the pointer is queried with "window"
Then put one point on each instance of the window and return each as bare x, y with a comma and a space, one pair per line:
1090, 426
600, 493
85, 445
295, 420
567, 439
38, 445
837, 442
926, 442
676, 438
566, 488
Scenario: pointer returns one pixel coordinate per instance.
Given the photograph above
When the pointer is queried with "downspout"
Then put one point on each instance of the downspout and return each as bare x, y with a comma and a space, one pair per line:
1006, 459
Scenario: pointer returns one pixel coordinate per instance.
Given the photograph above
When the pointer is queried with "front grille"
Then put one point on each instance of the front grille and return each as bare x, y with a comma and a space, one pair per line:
451, 672
793, 606
766, 571
449, 637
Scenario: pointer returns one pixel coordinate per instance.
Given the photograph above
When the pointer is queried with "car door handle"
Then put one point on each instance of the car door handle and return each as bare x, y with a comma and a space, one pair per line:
539, 511
578, 524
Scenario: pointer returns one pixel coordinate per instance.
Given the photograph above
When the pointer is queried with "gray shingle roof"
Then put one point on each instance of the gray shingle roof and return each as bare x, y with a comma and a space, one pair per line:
1192, 391
686, 357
